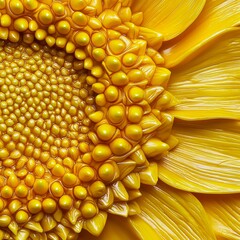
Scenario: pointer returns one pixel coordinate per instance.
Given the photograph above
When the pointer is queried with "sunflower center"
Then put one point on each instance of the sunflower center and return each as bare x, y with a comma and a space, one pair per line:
82, 115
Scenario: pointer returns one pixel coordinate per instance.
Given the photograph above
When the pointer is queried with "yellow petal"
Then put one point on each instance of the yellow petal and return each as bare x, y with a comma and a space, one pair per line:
210, 83
216, 16
224, 213
170, 18
170, 214
117, 228
207, 159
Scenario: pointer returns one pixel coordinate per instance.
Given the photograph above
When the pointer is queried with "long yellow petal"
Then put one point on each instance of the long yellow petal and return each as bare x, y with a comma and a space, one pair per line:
173, 214
207, 159
224, 213
170, 18
217, 16
211, 82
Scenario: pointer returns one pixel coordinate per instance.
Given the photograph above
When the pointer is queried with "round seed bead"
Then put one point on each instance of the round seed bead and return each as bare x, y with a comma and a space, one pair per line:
5, 20
117, 46
99, 54
86, 174
120, 146
34, 206
79, 19
30, 4
116, 114
49, 205
21, 191
65, 202
57, 189
101, 153
45, 17
98, 39
111, 94
106, 172
58, 8
80, 192
135, 114
6, 192
21, 217
21, 24
135, 75
129, 59
106, 131
14, 206
16, 7
97, 189
40, 186
77, 4
82, 39
136, 94
69, 179
63, 27
113, 64
88, 210
134, 132
119, 79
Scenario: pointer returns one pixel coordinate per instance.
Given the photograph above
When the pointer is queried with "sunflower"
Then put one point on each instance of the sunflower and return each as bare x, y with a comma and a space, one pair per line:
119, 119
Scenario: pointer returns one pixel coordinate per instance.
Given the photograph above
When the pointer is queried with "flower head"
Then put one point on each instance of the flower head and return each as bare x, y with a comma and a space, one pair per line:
86, 118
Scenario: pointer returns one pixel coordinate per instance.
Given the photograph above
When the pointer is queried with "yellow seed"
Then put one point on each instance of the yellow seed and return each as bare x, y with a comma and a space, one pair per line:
135, 75
5, 20
99, 54
45, 17
129, 59
96, 116
98, 189
21, 217
4, 153
21, 24
40, 34
88, 210
119, 79
61, 42
86, 174
106, 172
136, 94
116, 114
111, 94
29, 180
5, 220
69, 179
34, 206
16, 7
98, 39
21, 191
63, 27
80, 192
57, 189
30, 4
58, 170
97, 71
120, 146
6, 192
70, 47
79, 18
33, 26
65, 202
134, 132
106, 131
58, 8
101, 153
49, 205
117, 46
82, 38
135, 114
113, 63
78, 4
40, 186
80, 54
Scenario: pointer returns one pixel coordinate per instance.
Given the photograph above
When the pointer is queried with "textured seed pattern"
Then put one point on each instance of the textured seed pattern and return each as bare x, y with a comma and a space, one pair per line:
82, 121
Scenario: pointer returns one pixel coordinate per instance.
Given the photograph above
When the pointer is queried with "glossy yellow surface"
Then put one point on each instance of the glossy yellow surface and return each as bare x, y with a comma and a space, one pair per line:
87, 105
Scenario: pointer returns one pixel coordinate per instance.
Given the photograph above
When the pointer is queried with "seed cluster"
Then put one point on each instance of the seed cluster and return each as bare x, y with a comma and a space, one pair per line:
82, 122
